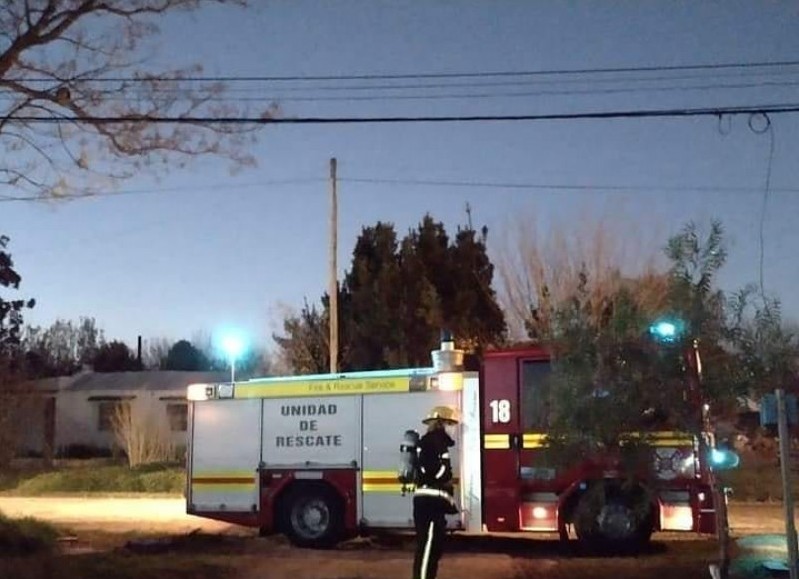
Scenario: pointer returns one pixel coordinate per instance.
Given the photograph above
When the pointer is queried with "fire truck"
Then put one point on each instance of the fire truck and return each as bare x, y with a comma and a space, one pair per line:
317, 457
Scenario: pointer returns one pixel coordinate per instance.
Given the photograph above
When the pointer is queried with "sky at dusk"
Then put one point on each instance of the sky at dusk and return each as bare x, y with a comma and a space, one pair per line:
201, 248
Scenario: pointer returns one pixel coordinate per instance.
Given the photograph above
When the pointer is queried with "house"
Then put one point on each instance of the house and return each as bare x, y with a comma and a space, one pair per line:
73, 414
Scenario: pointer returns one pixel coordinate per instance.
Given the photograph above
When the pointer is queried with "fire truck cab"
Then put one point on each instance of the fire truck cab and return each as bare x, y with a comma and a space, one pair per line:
317, 457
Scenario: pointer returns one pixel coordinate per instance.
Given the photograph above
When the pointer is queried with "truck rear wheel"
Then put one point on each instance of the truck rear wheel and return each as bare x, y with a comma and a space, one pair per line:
311, 515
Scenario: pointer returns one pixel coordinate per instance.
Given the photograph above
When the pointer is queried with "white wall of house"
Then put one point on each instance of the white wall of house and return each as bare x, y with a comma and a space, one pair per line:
78, 415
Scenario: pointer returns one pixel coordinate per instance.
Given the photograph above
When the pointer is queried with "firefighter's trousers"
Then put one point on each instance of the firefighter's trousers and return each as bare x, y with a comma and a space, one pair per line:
431, 524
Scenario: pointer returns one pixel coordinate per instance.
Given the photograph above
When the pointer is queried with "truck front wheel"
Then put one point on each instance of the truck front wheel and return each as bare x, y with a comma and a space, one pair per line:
311, 516
613, 519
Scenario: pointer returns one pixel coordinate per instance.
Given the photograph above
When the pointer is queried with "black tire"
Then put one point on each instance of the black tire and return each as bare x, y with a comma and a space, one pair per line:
311, 516
614, 520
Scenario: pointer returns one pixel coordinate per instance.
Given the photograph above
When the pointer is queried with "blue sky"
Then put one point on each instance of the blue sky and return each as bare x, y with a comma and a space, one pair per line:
200, 248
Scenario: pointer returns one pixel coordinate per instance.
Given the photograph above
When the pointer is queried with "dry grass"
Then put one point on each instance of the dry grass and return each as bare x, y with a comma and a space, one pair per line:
151, 479
141, 428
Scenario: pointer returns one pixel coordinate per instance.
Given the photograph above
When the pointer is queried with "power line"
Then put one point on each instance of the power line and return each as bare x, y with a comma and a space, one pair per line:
265, 120
514, 82
468, 95
560, 186
230, 188
438, 75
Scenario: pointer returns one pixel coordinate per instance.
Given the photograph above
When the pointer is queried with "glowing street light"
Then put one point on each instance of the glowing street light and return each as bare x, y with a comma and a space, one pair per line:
233, 346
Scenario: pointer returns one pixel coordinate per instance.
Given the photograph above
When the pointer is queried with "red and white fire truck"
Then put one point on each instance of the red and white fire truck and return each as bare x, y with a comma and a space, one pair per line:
316, 457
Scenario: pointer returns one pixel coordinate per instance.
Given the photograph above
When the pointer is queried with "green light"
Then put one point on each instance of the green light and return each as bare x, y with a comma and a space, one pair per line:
723, 459
667, 330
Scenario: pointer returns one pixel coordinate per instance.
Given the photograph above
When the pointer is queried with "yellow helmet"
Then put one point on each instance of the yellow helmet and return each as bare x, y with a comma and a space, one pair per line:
443, 413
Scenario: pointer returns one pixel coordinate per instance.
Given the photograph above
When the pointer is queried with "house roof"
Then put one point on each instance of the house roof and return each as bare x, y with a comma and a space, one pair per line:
148, 380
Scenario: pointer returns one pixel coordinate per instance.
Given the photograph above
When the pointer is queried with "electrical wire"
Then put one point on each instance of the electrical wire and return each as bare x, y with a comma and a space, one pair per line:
166, 88
462, 95
266, 120
769, 128
479, 74
557, 186
228, 188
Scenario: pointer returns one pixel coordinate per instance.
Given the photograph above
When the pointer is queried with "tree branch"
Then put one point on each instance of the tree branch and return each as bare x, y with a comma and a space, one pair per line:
66, 88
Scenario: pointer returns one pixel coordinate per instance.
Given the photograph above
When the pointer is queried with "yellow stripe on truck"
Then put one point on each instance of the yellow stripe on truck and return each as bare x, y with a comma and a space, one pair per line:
385, 481
534, 440
380, 481
224, 481
661, 438
496, 441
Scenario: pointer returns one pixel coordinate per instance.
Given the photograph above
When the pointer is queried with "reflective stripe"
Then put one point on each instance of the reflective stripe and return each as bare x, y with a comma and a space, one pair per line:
425, 492
442, 469
534, 440
445, 455
386, 481
427, 547
496, 441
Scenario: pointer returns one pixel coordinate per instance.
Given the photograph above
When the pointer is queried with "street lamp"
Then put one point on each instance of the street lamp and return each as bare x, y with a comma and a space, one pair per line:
233, 346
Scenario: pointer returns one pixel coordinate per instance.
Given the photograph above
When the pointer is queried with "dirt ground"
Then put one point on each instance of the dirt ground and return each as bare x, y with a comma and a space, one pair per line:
102, 527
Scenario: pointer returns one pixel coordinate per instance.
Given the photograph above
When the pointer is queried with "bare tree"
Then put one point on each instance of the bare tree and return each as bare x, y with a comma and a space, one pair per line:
155, 351
141, 428
540, 272
61, 348
68, 66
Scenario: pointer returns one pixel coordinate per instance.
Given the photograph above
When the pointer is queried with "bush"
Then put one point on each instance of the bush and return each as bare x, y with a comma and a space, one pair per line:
106, 479
25, 536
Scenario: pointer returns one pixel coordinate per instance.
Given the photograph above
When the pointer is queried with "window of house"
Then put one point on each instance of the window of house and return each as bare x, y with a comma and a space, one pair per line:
535, 394
178, 415
105, 414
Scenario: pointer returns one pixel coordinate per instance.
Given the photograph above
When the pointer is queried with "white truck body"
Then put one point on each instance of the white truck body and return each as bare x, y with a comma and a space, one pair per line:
311, 426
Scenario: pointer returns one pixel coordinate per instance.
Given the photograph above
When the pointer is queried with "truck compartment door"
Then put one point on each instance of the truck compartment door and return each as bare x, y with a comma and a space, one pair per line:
385, 418
500, 400
225, 452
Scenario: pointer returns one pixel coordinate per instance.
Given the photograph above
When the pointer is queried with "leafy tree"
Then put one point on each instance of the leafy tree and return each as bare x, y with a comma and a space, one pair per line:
397, 296
767, 348
184, 356
610, 377
80, 61
11, 311
115, 356
304, 344
370, 297
11, 320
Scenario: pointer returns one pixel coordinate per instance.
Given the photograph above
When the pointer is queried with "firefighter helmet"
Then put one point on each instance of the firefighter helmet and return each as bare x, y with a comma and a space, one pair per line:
445, 414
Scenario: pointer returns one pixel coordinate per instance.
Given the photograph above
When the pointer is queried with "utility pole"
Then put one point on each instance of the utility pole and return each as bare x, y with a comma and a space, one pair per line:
333, 287
785, 471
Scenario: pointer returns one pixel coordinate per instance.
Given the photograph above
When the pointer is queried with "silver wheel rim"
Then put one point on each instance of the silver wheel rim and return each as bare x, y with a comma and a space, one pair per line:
310, 517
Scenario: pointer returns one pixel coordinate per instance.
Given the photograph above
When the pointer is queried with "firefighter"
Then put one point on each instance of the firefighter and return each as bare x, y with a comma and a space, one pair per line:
433, 498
